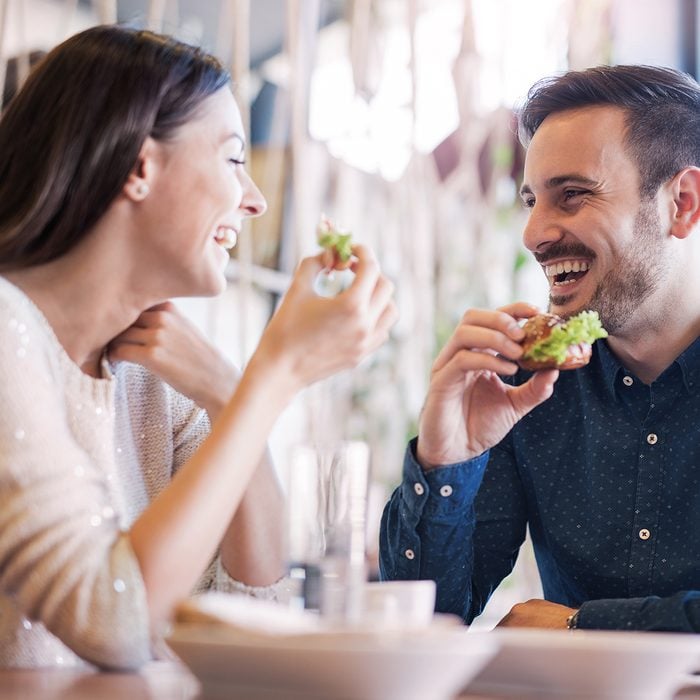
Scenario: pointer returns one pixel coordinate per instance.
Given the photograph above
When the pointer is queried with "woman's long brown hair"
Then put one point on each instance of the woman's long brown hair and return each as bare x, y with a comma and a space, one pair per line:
71, 137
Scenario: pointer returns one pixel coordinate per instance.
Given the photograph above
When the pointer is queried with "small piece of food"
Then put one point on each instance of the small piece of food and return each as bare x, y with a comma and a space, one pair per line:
337, 243
553, 343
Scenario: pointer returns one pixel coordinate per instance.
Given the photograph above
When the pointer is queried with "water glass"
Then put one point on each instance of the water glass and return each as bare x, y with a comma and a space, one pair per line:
326, 526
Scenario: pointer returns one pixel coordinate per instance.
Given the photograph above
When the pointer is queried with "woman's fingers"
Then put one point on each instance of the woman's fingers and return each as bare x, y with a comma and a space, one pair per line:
134, 335
158, 315
386, 320
367, 272
131, 352
381, 297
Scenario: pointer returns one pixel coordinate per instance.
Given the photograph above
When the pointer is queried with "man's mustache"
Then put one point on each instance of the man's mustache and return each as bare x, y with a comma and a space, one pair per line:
564, 250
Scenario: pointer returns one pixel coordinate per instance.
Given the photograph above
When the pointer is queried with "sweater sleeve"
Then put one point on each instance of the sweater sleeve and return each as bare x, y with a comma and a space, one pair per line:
63, 559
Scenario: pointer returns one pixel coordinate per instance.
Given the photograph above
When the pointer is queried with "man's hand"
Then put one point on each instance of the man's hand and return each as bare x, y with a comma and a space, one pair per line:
537, 613
468, 408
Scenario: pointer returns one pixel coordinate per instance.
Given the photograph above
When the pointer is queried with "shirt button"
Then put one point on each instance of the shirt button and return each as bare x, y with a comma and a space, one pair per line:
418, 488
627, 380
446, 490
652, 438
410, 554
644, 534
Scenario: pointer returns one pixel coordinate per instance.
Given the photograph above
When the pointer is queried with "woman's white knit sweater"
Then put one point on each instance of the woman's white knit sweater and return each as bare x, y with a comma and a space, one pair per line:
80, 458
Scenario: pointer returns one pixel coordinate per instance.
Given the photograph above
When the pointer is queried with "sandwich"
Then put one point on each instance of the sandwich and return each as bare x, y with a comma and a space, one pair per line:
552, 343
337, 243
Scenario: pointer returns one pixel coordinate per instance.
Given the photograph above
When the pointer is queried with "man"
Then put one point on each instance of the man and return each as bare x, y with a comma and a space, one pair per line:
602, 463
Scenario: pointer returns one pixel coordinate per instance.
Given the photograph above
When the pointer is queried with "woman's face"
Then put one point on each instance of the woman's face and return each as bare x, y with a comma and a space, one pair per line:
200, 194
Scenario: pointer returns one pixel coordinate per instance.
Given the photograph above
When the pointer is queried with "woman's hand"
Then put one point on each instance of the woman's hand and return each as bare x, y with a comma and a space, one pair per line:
468, 408
312, 337
168, 344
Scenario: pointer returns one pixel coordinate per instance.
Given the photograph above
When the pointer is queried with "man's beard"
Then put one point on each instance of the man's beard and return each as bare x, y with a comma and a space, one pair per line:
636, 276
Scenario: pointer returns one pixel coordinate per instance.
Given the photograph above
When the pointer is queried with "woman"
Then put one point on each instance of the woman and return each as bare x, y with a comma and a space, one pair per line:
122, 183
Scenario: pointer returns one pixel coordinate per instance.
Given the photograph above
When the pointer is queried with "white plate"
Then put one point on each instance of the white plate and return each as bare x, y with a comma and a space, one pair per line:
429, 664
587, 664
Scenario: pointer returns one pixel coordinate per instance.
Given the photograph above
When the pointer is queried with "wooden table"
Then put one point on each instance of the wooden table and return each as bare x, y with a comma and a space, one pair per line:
163, 680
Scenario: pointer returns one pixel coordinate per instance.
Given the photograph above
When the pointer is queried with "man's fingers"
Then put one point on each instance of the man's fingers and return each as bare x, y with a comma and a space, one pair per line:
520, 310
465, 361
536, 390
499, 320
478, 338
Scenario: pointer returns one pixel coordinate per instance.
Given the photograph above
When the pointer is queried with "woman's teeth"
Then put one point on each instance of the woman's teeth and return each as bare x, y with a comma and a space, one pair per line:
226, 237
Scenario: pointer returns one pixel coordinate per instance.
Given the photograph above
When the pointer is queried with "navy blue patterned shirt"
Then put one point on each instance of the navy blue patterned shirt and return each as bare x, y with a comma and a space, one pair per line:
606, 474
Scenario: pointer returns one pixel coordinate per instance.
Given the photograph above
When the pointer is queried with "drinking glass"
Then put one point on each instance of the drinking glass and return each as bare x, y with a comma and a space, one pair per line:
326, 526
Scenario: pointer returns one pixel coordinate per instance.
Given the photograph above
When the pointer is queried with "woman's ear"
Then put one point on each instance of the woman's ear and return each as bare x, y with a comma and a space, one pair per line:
685, 189
138, 184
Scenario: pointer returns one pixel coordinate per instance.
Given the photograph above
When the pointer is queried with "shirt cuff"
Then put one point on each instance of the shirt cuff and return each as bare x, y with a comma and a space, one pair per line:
280, 591
650, 614
441, 492
611, 614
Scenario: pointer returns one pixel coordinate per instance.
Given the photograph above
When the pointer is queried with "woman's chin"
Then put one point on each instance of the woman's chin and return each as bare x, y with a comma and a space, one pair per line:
213, 285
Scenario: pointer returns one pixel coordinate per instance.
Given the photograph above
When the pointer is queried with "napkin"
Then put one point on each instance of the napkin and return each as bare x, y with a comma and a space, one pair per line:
246, 613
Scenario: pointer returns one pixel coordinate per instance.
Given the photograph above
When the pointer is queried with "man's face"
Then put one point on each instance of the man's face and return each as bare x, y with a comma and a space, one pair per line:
598, 243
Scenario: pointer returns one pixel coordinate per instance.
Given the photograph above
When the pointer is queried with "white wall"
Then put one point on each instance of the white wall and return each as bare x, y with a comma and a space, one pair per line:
647, 31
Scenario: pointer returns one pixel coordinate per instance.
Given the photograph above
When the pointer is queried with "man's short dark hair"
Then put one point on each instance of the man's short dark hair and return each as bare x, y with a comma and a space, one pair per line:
662, 113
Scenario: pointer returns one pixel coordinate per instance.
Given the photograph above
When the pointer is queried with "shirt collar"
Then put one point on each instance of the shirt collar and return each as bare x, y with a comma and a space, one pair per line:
688, 361
609, 365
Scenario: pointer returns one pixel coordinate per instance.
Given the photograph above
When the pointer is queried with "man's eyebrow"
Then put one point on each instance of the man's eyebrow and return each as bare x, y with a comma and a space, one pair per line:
559, 180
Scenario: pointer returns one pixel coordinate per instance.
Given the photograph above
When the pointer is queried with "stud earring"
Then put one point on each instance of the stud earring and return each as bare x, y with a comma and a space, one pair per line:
142, 189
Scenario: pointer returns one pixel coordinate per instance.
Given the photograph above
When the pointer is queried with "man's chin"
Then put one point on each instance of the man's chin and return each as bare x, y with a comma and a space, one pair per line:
562, 305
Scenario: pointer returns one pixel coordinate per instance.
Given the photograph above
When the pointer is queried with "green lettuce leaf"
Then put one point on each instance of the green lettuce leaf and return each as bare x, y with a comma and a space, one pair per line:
342, 242
582, 328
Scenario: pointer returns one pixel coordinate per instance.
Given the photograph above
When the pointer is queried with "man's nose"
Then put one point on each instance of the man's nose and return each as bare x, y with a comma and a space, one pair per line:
541, 229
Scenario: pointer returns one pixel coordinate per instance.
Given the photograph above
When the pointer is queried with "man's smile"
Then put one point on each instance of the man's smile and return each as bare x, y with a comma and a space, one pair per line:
565, 272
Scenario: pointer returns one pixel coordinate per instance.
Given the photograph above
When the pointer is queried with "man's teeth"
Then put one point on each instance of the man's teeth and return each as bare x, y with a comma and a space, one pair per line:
226, 237
566, 266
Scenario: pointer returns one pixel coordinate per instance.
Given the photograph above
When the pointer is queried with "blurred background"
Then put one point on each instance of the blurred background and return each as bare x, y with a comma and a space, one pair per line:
395, 118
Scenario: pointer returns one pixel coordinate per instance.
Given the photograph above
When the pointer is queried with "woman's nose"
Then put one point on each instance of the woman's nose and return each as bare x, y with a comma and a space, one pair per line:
253, 202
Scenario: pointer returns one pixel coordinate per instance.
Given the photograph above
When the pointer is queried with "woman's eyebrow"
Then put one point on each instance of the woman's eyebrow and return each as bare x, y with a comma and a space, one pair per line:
234, 135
